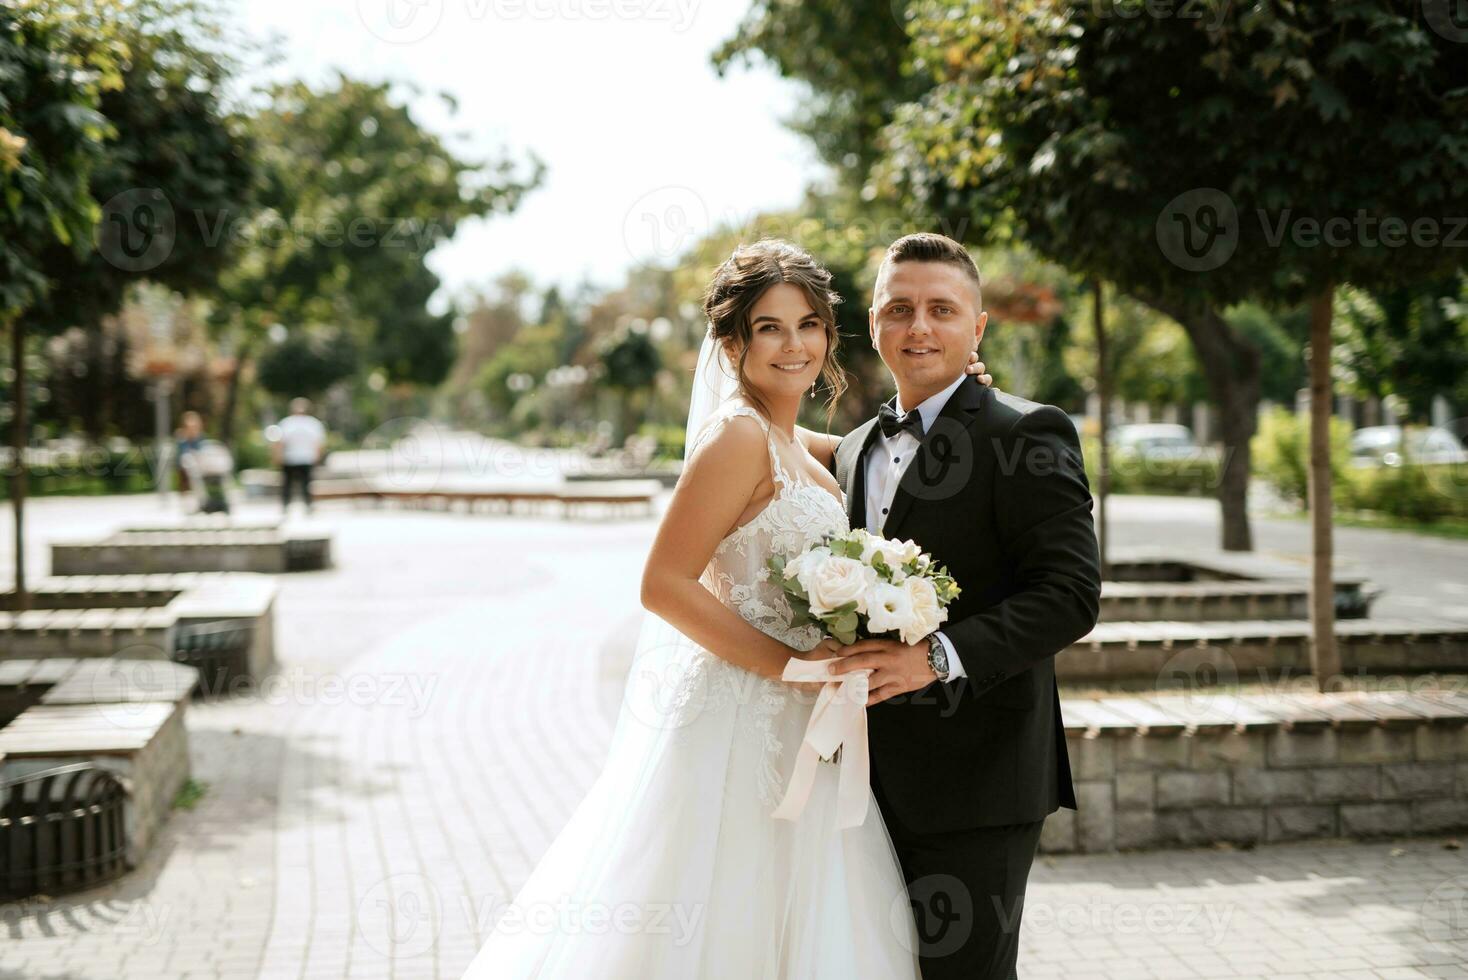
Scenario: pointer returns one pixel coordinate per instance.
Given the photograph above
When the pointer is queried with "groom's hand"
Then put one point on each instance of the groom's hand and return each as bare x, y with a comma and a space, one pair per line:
897, 667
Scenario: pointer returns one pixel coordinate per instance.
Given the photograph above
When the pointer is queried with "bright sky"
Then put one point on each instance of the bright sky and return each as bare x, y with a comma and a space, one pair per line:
645, 147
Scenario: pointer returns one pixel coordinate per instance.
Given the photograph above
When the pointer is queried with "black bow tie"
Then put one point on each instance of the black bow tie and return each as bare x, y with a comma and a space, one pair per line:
892, 423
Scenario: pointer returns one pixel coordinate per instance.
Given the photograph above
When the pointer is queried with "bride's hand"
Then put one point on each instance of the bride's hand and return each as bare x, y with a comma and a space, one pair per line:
824, 650
977, 367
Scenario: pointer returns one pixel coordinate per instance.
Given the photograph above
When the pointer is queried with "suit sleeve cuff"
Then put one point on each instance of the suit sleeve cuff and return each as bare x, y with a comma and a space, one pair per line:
955, 666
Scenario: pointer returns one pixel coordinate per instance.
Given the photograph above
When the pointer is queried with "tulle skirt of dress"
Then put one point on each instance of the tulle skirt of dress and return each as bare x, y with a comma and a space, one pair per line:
672, 867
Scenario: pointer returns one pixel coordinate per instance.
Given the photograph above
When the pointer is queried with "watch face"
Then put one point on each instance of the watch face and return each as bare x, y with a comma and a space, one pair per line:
937, 658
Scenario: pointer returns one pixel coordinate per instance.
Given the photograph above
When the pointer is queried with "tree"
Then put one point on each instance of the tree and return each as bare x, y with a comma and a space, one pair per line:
1110, 138
630, 364
54, 67
308, 363
865, 79
353, 196
1408, 341
849, 53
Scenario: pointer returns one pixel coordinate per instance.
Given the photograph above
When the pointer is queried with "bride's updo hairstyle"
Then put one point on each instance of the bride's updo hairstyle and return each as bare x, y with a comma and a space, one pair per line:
739, 283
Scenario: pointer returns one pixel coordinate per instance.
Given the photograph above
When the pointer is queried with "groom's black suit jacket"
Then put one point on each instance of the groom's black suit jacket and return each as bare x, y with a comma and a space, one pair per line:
997, 492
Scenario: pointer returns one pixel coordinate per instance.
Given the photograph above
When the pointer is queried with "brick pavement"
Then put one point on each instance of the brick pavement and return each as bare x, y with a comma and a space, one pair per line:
440, 714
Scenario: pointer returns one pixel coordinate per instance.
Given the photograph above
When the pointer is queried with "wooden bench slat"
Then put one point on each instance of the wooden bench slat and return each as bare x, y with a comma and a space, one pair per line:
1148, 717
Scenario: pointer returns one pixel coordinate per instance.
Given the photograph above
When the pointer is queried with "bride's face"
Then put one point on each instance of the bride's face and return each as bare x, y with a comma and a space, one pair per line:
787, 343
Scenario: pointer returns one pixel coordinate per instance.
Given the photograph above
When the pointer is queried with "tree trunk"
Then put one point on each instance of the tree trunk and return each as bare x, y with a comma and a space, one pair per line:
225, 431
18, 441
1230, 365
1325, 658
1103, 394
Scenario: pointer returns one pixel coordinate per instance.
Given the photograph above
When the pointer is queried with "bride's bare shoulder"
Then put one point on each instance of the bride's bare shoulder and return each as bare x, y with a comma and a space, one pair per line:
730, 439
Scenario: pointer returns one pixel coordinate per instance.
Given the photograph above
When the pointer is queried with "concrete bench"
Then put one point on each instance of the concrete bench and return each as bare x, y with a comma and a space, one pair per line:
1208, 585
1185, 770
1258, 649
185, 549
158, 617
123, 717
573, 499
1202, 601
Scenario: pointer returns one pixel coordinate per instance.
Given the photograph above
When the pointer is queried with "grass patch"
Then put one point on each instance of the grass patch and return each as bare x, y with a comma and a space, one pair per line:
189, 794
1445, 527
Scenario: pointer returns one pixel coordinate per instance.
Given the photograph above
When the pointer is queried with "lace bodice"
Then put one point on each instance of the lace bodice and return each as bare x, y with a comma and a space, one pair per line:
800, 513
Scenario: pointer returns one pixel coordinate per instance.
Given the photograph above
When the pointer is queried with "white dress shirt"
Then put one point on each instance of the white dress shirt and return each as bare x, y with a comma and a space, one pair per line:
886, 460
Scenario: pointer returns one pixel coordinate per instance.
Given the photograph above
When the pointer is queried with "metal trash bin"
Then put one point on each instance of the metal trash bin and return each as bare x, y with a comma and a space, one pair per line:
61, 830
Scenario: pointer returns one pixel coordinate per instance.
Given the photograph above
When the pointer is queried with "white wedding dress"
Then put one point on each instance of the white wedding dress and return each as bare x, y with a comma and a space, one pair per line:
672, 867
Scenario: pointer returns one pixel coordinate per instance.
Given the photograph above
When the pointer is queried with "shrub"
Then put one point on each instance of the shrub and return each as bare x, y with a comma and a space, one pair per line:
1132, 473
1412, 492
1281, 450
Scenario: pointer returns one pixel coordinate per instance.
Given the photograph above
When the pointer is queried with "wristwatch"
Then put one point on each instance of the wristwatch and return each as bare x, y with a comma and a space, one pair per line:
937, 657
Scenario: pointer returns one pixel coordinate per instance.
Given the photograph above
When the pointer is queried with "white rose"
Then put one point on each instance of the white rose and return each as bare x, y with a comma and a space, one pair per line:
889, 609
801, 566
927, 614
833, 582
894, 553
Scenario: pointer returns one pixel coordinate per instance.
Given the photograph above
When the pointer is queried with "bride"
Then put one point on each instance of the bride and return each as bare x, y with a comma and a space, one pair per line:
672, 868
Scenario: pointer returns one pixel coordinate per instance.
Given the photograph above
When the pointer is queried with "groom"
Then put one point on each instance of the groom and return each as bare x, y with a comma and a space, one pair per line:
968, 750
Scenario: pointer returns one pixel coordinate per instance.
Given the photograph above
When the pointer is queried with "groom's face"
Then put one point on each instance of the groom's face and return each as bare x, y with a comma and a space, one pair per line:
925, 321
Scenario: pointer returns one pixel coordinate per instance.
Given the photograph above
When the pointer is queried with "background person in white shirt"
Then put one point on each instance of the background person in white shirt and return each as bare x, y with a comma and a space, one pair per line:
298, 447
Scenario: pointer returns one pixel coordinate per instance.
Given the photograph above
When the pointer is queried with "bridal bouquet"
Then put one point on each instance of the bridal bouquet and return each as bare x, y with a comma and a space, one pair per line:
859, 584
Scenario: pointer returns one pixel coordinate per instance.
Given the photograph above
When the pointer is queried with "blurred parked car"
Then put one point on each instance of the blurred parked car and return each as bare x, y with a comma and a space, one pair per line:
1381, 445
1156, 440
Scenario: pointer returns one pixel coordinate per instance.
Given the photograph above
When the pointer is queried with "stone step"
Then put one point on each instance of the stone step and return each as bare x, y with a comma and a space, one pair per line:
1246, 650
1176, 714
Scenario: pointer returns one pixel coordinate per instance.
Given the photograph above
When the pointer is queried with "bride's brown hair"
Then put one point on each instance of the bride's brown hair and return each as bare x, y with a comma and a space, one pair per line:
739, 283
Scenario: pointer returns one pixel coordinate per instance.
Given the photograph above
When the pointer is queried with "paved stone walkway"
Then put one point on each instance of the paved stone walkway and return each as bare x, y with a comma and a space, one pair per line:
446, 698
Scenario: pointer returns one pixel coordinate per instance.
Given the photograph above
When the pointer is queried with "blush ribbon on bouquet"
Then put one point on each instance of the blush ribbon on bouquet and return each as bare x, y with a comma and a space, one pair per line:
838, 720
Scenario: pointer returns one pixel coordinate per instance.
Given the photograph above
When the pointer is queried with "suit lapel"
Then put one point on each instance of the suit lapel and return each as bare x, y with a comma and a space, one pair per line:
934, 452
851, 472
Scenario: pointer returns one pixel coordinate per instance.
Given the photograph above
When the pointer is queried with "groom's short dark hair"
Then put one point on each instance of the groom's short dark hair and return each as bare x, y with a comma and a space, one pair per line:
926, 246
